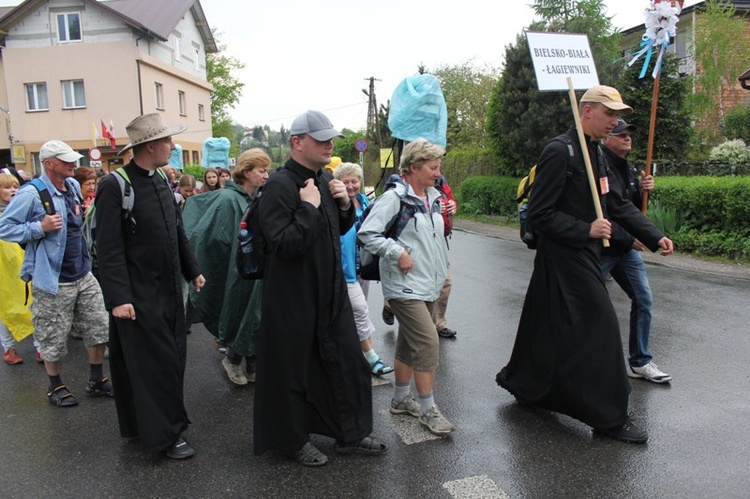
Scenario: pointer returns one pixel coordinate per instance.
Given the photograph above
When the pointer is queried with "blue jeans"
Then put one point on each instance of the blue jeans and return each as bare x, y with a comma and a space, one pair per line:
629, 272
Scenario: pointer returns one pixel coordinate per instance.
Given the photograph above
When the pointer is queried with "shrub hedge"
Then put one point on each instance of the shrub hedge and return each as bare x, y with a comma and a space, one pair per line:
715, 211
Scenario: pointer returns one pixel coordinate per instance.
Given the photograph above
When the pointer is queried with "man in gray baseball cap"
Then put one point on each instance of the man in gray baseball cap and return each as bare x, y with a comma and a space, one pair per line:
311, 374
316, 125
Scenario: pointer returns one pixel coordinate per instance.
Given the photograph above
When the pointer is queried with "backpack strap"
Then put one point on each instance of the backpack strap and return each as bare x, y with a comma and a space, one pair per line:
44, 195
128, 196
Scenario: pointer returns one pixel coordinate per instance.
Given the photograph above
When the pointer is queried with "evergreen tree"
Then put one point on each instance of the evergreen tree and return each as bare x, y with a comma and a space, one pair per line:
520, 119
673, 124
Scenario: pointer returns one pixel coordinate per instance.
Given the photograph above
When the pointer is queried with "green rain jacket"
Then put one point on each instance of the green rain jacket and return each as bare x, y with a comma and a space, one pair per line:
228, 305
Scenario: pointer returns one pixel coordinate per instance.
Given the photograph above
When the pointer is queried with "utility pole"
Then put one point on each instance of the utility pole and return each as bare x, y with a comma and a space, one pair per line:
373, 118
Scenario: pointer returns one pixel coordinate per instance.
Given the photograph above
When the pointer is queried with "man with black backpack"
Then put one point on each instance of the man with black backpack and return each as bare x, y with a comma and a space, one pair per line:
567, 355
47, 215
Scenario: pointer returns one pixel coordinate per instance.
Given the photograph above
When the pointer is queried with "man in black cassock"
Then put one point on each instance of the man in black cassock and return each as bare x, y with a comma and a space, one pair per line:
143, 258
568, 354
311, 374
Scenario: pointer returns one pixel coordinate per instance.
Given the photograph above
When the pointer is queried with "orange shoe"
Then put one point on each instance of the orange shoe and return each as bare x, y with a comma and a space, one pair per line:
11, 357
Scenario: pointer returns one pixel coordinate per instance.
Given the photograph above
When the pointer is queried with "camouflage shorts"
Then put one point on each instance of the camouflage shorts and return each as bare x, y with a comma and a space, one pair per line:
77, 304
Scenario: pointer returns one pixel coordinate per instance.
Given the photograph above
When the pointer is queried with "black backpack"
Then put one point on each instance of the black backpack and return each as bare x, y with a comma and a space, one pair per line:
528, 234
368, 264
250, 259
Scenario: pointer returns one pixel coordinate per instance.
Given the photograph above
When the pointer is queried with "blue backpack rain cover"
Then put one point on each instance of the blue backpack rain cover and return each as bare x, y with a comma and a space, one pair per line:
418, 110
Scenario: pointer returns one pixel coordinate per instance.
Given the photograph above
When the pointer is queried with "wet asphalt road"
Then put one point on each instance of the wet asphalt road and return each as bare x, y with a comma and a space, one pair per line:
699, 425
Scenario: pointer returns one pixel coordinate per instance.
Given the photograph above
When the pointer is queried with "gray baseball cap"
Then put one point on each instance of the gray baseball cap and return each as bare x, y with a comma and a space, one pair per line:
316, 125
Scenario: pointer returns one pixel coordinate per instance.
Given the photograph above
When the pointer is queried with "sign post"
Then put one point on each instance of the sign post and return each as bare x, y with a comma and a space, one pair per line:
361, 146
565, 62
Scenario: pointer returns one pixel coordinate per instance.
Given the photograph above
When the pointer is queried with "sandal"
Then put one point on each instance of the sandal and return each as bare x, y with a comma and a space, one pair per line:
379, 368
309, 455
370, 446
61, 397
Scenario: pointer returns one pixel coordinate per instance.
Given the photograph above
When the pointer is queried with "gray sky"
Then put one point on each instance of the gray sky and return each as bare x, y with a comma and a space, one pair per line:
302, 54
316, 55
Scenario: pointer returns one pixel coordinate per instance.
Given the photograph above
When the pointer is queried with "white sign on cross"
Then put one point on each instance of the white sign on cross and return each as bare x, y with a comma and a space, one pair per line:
559, 56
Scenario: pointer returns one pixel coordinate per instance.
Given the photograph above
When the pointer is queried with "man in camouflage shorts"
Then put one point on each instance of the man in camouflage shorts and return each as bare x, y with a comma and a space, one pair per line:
57, 263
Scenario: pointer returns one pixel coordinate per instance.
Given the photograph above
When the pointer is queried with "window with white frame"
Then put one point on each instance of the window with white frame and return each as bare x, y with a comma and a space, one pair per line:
73, 95
36, 97
69, 27
159, 95
176, 54
197, 60
201, 113
181, 100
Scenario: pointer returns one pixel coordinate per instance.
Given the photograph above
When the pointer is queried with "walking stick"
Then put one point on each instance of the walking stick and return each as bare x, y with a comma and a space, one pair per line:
586, 158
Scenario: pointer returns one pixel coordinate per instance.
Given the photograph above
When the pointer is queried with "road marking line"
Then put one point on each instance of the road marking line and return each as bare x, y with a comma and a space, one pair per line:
475, 487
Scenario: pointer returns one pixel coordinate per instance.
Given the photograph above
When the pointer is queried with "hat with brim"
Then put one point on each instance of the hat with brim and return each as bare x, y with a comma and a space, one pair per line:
148, 128
622, 126
60, 150
316, 125
607, 96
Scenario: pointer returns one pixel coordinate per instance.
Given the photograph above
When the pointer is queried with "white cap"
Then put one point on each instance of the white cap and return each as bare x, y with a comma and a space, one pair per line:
60, 150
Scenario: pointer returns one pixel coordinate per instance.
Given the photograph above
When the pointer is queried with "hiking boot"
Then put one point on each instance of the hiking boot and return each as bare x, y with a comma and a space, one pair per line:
11, 357
649, 372
627, 432
101, 388
234, 372
447, 333
406, 406
388, 316
434, 421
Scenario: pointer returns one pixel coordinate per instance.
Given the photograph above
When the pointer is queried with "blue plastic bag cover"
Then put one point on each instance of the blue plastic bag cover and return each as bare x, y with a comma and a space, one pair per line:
175, 159
418, 110
215, 153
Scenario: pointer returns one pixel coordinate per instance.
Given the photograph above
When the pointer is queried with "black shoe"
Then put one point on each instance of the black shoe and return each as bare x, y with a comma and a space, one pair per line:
446, 333
309, 455
180, 450
387, 316
627, 432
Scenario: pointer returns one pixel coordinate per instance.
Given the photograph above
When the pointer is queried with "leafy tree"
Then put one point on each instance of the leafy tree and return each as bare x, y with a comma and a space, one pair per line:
220, 71
344, 148
720, 58
467, 92
737, 123
520, 119
673, 123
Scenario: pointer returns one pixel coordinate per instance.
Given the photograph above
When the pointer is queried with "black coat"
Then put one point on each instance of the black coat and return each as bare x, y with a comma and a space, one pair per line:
568, 355
143, 261
623, 179
311, 374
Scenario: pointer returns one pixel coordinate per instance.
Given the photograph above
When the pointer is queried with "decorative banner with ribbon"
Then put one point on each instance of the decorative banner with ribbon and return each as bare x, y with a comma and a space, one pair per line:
661, 27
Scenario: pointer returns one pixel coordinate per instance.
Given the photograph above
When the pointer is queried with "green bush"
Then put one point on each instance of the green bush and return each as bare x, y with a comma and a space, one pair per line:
737, 123
196, 171
489, 196
715, 212
461, 164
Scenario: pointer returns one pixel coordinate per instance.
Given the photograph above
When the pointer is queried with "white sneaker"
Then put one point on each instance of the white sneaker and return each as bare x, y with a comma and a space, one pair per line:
234, 372
434, 420
649, 372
